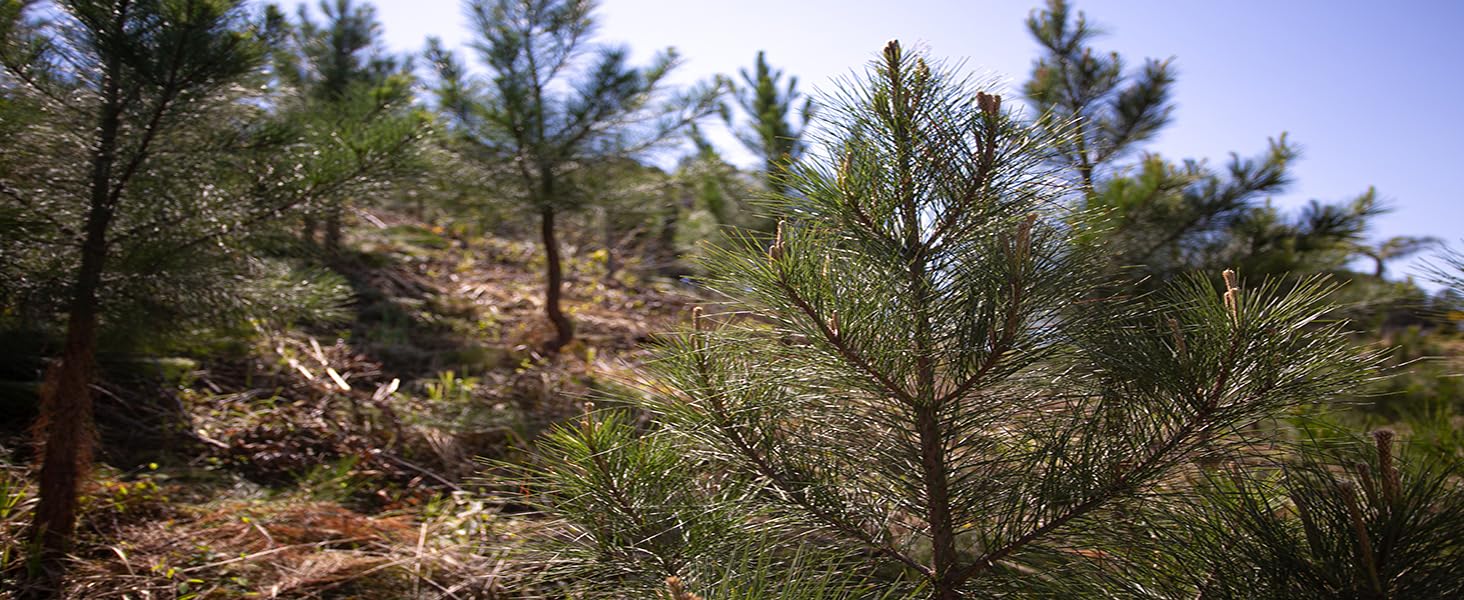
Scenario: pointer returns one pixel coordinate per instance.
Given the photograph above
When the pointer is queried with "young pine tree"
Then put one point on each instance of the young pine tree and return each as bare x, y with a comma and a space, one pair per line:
336, 76
777, 118
1161, 219
1333, 519
121, 76
139, 179
554, 107
918, 376
1108, 111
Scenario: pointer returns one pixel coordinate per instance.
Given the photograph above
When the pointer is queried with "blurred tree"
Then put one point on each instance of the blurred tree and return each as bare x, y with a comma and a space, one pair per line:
710, 174
546, 115
338, 73
1166, 219
1395, 248
777, 117
1096, 111
715, 198
122, 75
141, 173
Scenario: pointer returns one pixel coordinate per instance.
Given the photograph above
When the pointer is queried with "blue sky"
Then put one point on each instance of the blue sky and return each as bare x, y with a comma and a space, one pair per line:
1371, 90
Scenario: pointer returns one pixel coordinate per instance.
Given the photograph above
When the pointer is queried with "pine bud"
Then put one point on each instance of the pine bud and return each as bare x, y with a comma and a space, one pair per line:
587, 420
1024, 236
1232, 296
775, 252
1359, 527
696, 319
1309, 527
1364, 477
990, 104
892, 51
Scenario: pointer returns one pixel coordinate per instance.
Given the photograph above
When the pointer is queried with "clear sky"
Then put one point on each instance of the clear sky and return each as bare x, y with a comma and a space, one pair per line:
1371, 90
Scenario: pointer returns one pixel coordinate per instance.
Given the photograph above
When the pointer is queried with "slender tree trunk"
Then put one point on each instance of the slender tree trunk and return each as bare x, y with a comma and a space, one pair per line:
64, 429
65, 426
612, 260
332, 237
669, 229
934, 472
308, 229
933, 467
938, 504
563, 327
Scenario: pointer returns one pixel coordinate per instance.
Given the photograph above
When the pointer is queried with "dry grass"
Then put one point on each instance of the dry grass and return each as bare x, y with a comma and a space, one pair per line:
299, 548
332, 463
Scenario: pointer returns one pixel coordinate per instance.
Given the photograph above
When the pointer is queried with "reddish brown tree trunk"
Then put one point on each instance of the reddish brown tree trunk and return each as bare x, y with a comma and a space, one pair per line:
65, 426
563, 327
64, 430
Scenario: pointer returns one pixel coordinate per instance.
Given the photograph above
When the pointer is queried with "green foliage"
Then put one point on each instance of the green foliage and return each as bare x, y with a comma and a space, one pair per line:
777, 117
340, 87
554, 110
1396, 248
192, 239
1334, 521
717, 201
555, 104
1096, 111
1448, 271
338, 481
639, 512
1162, 219
326, 61
16, 499
448, 388
919, 373
1424, 377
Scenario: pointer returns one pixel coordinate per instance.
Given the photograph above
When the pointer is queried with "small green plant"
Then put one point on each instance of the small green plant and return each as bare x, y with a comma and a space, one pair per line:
451, 389
15, 502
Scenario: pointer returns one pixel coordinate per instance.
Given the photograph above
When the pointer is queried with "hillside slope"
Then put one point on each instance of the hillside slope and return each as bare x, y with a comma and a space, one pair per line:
339, 460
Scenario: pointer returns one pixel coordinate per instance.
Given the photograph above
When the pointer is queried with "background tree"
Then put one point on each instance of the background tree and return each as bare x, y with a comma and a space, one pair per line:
1100, 112
917, 374
777, 117
715, 201
339, 73
141, 179
1164, 219
1396, 248
139, 68
549, 115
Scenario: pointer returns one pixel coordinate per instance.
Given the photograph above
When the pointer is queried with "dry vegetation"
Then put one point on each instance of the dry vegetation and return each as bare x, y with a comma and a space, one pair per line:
341, 460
